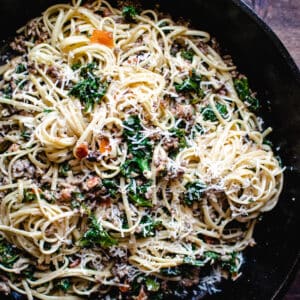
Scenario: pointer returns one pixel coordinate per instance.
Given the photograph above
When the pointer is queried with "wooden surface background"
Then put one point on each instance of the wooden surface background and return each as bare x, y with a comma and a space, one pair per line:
283, 16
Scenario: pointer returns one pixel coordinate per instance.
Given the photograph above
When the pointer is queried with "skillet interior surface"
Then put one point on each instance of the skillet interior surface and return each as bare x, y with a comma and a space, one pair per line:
272, 73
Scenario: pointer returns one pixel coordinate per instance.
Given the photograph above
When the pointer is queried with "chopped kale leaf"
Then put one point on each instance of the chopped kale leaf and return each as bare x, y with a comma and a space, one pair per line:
267, 142
209, 115
76, 66
8, 253
7, 91
48, 111
25, 135
137, 192
111, 186
232, 264
29, 195
90, 89
21, 68
242, 87
96, 235
64, 168
191, 84
197, 129
64, 284
28, 273
129, 13
212, 255
180, 134
193, 262
188, 54
148, 227
152, 285
139, 146
193, 192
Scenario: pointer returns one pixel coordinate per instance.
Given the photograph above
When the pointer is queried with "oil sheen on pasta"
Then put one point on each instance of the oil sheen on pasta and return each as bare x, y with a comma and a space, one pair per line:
132, 163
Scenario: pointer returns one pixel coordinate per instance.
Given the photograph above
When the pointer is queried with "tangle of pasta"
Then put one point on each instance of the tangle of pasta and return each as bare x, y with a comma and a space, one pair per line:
130, 153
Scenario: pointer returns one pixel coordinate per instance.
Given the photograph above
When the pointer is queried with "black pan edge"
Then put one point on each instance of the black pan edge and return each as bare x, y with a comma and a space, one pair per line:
290, 277
283, 288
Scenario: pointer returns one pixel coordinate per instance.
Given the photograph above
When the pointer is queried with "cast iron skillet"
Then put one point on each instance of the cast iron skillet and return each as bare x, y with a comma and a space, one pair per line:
258, 53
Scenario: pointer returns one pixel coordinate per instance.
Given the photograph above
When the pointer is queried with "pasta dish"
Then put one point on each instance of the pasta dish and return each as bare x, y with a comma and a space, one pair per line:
132, 162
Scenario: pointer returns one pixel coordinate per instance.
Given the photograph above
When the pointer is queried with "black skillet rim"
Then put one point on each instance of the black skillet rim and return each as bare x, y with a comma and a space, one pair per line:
281, 48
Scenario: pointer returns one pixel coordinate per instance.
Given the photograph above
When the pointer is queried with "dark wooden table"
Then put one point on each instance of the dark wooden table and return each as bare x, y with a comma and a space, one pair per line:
283, 16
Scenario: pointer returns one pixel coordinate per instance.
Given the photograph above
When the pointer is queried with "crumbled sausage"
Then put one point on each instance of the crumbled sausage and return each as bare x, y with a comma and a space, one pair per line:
37, 30
4, 288
184, 111
171, 143
106, 12
13, 148
203, 47
124, 288
142, 295
18, 44
23, 168
75, 263
53, 72
92, 182
66, 194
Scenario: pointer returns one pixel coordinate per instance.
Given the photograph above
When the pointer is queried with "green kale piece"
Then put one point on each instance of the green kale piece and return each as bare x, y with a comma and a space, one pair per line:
191, 84
148, 226
232, 264
193, 191
152, 285
129, 13
64, 284
139, 146
90, 89
242, 87
63, 169
209, 115
137, 193
188, 54
20, 68
193, 262
213, 255
111, 186
97, 236
8, 253
29, 195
